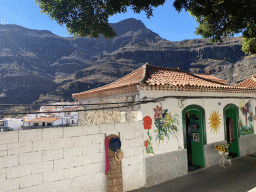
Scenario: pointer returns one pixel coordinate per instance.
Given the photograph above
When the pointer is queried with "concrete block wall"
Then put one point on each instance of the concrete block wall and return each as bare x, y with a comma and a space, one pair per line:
247, 144
68, 159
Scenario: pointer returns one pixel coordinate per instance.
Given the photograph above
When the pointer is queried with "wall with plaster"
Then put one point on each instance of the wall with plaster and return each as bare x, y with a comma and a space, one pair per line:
124, 114
69, 158
174, 106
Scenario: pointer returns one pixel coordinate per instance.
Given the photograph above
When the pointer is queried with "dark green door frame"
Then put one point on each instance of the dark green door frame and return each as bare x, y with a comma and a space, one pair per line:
200, 158
236, 109
184, 111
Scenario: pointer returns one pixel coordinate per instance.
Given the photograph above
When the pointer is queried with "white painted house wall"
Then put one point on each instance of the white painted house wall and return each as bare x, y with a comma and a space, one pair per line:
172, 104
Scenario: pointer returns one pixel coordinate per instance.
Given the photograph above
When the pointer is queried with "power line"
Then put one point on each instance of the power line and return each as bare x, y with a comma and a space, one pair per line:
129, 104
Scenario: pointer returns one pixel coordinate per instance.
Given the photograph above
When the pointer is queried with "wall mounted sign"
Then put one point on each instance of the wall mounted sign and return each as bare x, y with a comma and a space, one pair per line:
196, 137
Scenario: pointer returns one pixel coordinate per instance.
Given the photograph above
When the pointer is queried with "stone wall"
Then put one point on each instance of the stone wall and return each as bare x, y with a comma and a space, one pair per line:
115, 115
68, 159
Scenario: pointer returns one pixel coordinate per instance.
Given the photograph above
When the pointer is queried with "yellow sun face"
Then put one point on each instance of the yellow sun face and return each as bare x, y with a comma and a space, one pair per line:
214, 121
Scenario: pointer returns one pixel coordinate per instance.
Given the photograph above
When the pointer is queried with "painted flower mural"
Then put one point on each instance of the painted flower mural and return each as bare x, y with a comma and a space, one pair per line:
245, 124
215, 121
166, 124
147, 121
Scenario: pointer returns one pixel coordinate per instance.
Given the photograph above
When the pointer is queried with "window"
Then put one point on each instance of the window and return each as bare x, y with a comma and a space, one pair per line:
49, 124
35, 124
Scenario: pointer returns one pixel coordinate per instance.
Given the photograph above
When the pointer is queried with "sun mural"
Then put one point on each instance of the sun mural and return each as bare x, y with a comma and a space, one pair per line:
214, 121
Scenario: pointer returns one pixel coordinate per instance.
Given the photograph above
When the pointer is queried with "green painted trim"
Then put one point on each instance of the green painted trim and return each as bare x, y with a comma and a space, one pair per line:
228, 106
232, 106
184, 111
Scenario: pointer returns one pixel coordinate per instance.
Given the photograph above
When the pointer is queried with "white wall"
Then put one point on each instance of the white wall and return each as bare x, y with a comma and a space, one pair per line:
68, 159
173, 106
14, 124
31, 116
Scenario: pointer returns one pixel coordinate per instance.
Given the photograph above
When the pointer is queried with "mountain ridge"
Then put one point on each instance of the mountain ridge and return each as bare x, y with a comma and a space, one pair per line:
38, 63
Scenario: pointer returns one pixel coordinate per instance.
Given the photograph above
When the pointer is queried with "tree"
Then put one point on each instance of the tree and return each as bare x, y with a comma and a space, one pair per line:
223, 18
217, 18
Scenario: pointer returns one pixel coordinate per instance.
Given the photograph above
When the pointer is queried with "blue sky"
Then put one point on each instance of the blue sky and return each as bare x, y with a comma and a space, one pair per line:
167, 22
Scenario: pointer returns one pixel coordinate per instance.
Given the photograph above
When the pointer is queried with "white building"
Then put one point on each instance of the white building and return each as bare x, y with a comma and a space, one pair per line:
13, 123
186, 117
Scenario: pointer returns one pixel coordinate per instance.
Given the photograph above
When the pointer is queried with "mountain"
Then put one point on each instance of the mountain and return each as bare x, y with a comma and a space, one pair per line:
38, 63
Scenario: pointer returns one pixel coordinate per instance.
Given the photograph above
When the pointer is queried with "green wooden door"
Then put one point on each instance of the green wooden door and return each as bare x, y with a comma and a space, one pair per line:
233, 147
196, 128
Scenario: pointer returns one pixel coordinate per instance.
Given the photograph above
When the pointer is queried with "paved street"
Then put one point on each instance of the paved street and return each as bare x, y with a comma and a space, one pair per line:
240, 176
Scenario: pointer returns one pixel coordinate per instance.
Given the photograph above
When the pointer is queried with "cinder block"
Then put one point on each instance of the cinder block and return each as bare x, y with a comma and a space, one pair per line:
80, 181
9, 185
139, 133
83, 140
82, 160
73, 152
102, 147
42, 167
40, 145
99, 179
91, 129
37, 188
132, 160
53, 176
53, 133
74, 172
53, 154
3, 174
3, 153
92, 168
125, 144
3, 147
9, 137
30, 135
136, 142
58, 185
62, 143
108, 129
138, 150
21, 147
73, 131
128, 152
20, 171
129, 135
103, 167
99, 138
63, 164
31, 180
27, 158
91, 149
98, 157
8, 161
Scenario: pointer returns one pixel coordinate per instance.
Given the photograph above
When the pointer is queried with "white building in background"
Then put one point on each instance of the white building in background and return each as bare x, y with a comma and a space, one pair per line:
57, 115
13, 123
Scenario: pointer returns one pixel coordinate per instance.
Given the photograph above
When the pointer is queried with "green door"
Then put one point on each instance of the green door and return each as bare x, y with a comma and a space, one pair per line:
231, 113
196, 128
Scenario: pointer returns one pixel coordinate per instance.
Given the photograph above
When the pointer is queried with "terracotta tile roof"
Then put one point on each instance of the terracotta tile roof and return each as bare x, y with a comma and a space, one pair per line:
47, 119
150, 75
213, 78
250, 82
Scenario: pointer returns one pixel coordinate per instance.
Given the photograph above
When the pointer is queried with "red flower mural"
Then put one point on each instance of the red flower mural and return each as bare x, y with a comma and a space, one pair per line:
146, 143
147, 122
158, 112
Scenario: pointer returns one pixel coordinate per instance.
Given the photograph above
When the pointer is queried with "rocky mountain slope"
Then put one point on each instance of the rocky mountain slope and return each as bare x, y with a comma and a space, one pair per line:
38, 63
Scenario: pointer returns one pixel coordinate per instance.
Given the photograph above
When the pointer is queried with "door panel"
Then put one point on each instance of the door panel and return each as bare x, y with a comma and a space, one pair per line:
196, 127
233, 147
